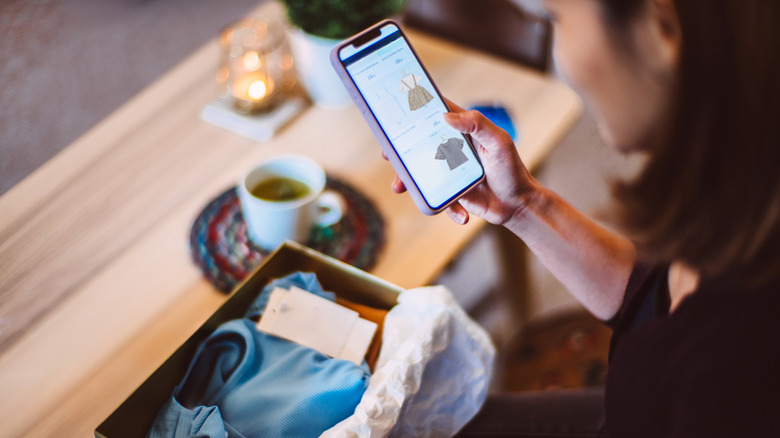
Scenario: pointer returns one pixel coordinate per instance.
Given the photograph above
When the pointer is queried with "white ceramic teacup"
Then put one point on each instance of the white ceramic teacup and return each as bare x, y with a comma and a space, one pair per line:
272, 221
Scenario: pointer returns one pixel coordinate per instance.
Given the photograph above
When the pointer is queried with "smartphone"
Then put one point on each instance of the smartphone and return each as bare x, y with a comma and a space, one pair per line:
404, 108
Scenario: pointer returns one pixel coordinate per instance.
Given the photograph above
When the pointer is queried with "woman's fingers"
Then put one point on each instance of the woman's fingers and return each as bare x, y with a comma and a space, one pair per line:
453, 106
458, 214
479, 127
397, 185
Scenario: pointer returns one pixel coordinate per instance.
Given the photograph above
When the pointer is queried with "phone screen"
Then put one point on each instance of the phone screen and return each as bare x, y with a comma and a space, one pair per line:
410, 111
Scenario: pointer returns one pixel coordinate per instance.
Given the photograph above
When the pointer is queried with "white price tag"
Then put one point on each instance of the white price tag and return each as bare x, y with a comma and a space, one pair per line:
313, 321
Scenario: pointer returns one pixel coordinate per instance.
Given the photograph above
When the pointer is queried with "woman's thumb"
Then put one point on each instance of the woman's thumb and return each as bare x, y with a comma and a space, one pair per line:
479, 127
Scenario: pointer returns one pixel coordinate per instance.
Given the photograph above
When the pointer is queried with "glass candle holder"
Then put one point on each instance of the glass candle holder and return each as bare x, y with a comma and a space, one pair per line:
253, 64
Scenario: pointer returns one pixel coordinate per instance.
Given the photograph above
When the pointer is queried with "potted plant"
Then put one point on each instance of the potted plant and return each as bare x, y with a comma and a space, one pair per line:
319, 26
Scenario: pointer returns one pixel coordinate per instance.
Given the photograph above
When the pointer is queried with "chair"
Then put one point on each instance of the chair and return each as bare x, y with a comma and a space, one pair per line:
498, 27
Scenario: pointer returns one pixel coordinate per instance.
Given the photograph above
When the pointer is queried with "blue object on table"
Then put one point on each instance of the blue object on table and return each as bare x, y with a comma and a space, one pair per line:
498, 115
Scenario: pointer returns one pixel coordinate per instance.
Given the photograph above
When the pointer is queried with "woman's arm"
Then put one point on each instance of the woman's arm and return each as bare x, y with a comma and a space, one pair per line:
592, 262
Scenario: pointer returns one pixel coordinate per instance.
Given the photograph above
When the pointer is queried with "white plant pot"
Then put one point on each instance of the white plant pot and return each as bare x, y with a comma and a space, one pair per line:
312, 60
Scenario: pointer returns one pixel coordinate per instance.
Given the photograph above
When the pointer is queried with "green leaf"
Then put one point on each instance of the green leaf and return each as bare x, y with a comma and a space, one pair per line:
338, 19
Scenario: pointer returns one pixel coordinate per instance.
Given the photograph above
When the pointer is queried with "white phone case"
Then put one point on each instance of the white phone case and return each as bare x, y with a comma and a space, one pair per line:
379, 133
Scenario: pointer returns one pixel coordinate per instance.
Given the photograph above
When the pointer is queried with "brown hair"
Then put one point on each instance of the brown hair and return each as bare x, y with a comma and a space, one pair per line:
710, 192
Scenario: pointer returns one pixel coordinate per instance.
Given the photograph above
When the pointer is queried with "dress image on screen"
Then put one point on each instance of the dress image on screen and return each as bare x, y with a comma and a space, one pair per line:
418, 96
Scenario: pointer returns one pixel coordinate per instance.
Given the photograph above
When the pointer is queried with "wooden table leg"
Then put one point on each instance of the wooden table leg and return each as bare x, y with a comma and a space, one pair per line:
514, 282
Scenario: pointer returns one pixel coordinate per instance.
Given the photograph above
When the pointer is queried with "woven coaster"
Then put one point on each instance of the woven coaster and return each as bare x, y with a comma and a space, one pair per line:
221, 248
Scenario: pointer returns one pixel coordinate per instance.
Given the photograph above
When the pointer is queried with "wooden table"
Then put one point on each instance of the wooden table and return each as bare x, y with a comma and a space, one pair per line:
96, 283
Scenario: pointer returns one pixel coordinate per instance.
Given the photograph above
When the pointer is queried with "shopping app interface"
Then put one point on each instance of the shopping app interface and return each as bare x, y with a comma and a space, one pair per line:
411, 114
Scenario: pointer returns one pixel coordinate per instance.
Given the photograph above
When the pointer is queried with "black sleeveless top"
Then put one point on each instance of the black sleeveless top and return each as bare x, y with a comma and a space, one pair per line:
710, 369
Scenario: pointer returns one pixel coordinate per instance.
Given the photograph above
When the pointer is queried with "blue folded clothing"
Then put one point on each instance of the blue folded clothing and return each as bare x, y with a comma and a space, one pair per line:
252, 384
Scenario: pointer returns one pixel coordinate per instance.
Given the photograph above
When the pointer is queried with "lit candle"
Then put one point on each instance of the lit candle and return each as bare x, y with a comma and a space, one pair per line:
251, 74
251, 60
253, 92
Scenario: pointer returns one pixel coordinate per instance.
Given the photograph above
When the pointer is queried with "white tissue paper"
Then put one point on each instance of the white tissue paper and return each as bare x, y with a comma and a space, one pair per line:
432, 374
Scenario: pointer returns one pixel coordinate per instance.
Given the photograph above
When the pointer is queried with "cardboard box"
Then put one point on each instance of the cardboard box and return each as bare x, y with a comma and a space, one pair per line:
134, 417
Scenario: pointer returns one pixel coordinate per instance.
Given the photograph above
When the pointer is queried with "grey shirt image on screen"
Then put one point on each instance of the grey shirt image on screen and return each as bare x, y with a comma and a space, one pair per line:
452, 151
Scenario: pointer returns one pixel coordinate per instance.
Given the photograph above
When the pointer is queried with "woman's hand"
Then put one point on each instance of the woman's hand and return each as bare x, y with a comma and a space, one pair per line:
508, 186
591, 261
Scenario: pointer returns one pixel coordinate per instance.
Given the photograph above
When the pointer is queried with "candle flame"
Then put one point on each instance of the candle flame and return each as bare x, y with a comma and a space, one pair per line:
252, 60
257, 89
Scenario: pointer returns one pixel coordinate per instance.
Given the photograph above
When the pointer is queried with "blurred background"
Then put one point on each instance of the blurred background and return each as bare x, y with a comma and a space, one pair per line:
67, 64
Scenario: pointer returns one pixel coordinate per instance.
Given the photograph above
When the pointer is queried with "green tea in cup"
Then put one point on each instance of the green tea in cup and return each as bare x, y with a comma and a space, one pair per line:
283, 197
280, 189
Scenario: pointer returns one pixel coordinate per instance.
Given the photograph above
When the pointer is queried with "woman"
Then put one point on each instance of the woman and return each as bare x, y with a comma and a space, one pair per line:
693, 292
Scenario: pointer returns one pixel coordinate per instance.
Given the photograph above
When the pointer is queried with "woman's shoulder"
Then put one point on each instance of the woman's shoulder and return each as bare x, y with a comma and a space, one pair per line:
731, 310
728, 333
728, 306
710, 367
723, 361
